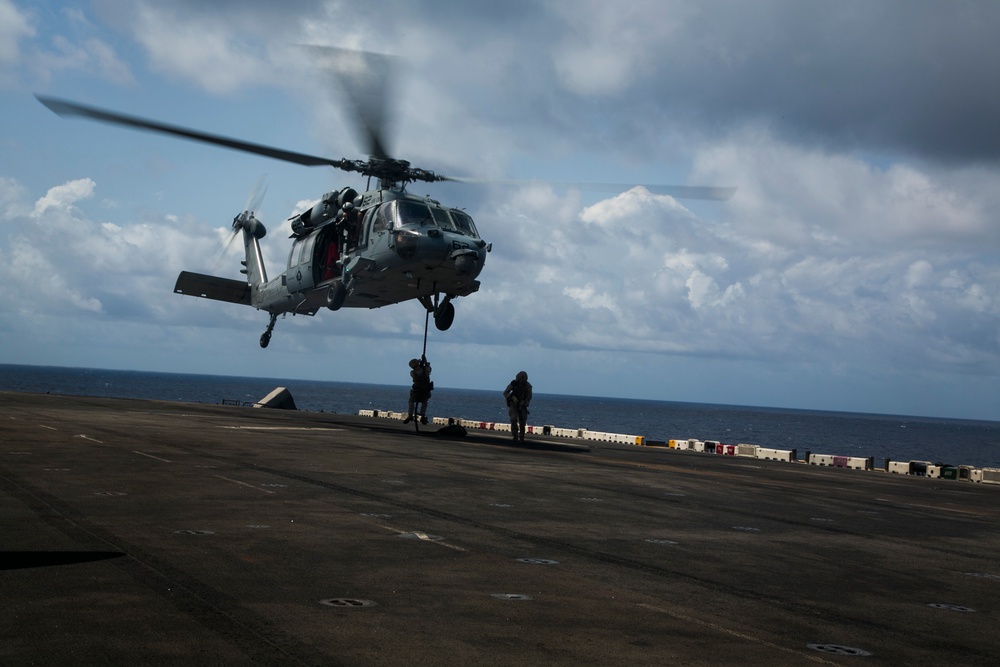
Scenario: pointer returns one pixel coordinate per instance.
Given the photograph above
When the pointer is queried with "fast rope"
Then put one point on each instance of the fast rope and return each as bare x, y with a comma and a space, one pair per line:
427, 317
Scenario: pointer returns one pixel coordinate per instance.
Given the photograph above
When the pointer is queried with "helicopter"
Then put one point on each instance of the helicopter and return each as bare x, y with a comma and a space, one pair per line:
351, 249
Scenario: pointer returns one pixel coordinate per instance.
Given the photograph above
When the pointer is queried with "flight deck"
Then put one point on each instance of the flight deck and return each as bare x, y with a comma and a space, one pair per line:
165, 533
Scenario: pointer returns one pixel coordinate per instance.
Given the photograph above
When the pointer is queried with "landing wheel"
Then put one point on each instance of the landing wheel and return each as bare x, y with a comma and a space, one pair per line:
336, 296
265, 337
444, 316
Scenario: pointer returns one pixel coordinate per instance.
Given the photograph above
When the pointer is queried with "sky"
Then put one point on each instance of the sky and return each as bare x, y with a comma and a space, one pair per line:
857, 267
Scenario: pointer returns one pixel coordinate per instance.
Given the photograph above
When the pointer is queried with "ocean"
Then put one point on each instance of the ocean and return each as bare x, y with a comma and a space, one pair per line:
900, 438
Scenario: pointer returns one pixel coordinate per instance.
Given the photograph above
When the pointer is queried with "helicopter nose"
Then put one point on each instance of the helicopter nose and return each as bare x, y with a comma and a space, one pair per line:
466, 263
406, 243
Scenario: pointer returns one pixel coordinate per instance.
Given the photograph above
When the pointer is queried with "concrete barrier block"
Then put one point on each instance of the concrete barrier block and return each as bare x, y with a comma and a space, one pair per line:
965, 473
775, 454
859, 463
820, 459
618, 438
991, 475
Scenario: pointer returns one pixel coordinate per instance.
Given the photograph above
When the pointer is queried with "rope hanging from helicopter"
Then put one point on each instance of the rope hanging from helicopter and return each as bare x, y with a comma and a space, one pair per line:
420, 392
427, 317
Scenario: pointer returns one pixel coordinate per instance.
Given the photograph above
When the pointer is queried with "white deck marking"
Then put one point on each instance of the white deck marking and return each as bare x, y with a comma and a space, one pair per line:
151, 456
418, 534
236, 481
734, 633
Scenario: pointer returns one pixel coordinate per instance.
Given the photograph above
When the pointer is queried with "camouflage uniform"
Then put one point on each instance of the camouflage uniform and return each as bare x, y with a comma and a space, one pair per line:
420, 392
518, 396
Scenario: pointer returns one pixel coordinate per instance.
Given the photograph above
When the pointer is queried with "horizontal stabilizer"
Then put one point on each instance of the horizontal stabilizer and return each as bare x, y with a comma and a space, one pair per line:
212, 287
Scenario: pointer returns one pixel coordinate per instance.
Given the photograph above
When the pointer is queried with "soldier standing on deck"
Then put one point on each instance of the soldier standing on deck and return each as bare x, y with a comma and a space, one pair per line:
518, 396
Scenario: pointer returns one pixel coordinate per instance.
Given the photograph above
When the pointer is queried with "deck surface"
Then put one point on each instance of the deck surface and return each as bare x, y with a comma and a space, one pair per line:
159, 533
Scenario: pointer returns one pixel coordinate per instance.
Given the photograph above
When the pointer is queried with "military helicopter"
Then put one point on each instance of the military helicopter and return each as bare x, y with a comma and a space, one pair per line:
356, 250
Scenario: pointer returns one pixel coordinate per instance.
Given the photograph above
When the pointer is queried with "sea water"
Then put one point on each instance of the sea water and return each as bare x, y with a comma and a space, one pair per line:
901, 438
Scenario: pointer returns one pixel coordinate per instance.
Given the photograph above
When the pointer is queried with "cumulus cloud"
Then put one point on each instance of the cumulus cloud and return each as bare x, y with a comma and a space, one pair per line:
56, 258
196, 49
62, 197
815, 253
794, 194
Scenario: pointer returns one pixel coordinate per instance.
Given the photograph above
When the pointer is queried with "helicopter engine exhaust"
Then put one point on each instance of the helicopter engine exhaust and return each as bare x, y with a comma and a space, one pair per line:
326, 209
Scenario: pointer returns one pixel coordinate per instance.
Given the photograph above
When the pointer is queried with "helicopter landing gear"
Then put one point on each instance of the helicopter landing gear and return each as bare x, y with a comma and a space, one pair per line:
336, 296
265, 337
444, 314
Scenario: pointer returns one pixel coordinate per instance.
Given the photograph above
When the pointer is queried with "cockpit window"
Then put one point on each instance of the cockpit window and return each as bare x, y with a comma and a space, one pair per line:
382, 221
419, 214
413, 213
442, 219
464, 223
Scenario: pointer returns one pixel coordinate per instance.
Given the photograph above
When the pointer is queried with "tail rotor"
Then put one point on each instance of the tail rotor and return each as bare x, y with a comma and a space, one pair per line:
252, 205
247, 218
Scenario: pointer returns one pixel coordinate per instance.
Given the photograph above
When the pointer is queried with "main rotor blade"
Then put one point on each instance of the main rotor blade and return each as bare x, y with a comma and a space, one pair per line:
66, 108
708, 192
364, 78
